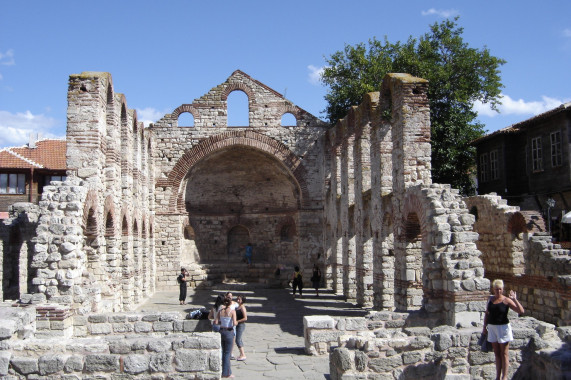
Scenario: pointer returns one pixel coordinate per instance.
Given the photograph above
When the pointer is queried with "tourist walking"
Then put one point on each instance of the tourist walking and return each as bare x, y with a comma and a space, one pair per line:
497, 326
316, 278
181, 279
241, 318
297, 281
226, 318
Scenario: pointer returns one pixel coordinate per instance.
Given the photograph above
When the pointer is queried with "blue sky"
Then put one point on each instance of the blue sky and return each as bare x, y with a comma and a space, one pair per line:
162, 54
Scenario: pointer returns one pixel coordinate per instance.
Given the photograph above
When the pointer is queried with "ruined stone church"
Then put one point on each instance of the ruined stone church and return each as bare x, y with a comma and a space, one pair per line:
356, 198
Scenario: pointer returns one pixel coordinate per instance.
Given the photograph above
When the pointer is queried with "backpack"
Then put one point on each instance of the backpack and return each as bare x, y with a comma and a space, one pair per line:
179, 279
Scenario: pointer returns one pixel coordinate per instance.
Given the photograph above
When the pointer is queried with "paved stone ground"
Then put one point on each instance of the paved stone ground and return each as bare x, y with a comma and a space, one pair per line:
273, 338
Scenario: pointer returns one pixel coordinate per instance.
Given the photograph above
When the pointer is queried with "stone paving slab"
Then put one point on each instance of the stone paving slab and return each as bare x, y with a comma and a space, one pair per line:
273, 337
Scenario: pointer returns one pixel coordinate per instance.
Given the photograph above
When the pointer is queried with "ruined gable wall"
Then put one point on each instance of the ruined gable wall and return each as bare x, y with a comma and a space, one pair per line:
178, 149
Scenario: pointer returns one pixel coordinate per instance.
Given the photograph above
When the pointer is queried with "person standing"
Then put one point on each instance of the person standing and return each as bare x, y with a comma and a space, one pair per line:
249, 253
226, 318
182, 279
297, 281
214, 311
316, 278
497, 325
241, 318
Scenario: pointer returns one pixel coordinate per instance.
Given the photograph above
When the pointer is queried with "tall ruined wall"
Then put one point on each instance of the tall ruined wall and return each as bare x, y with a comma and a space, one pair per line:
514, 249
393, 239
183, 155
95, 246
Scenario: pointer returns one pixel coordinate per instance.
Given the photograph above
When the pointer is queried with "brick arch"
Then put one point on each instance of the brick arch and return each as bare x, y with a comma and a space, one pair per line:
185, 108
109, 208
240, 87
287, 222
225, 140
413, 205
517, 224
137, 222
289, 108
125, 216
90, 205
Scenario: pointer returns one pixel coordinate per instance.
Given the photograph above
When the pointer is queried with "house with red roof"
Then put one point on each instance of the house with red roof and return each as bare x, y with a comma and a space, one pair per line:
25, 170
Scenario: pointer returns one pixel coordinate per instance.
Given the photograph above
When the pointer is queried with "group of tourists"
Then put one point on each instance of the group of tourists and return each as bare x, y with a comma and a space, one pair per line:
297, 280
229, 319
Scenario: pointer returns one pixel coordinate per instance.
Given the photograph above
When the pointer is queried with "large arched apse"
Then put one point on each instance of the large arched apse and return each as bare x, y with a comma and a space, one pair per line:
241, 195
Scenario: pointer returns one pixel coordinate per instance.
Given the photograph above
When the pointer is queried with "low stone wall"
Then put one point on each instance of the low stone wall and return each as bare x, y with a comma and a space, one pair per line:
49, 341
376, 347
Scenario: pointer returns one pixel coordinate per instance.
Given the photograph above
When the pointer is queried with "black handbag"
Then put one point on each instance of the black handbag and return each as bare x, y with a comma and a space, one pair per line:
485, 346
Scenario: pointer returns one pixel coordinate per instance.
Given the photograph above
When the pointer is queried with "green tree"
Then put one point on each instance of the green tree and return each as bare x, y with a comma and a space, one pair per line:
458, 76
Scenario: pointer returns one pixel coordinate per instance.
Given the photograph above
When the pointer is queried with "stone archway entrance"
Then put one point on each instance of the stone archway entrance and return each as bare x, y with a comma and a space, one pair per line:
240, 194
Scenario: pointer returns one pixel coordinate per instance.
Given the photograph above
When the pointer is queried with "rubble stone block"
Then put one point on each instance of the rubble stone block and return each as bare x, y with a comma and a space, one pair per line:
25, 366
318, 322
51, 363
190, 360
101, 363
161, 362
135, 364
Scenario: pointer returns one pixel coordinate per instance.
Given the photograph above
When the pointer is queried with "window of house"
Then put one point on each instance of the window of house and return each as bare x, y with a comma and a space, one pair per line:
484, 168
12, 183
536, 155
556, 155
49, 178
494, 165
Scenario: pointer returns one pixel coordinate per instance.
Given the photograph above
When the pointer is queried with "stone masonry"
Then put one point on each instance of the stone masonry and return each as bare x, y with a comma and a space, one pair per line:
356, 198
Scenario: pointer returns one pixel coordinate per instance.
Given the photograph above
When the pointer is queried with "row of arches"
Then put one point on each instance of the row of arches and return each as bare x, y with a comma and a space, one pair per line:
119, 254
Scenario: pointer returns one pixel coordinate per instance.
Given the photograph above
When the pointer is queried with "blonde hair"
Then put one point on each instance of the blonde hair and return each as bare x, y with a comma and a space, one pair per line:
497, 284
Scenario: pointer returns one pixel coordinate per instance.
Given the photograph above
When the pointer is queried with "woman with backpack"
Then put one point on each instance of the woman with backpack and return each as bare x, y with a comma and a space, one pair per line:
297, 281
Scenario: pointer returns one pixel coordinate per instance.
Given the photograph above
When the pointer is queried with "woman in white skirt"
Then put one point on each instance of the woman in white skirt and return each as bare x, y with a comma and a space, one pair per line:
497, 325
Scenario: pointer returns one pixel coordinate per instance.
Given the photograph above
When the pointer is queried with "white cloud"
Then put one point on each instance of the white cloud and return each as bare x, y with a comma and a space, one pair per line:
315, 74
7, 59
511, 106
445, 13
567, 33
149, 115
15, 128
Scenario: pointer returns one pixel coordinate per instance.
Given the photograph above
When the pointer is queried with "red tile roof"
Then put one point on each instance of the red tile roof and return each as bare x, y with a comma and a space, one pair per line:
48, 154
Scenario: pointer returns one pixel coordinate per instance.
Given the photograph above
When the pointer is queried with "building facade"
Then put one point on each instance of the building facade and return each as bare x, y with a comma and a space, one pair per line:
25, 170
529, 162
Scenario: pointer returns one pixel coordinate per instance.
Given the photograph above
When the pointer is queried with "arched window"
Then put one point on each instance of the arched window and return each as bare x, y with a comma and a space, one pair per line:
288, 120
186, 119
238, 109
109, 228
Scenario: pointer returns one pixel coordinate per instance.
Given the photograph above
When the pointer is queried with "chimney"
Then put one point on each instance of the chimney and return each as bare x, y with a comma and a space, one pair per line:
33, 139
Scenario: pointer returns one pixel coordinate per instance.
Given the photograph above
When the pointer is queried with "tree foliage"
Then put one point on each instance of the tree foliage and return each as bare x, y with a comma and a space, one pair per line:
458, 76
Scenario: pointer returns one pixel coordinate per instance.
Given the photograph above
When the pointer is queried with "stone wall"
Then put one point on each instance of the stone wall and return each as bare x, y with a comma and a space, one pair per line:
17, 234
515, 249
400, 346
35, 341
393, 239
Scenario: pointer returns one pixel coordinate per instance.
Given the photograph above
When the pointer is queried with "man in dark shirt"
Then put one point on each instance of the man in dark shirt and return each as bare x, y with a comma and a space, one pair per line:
181, 279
